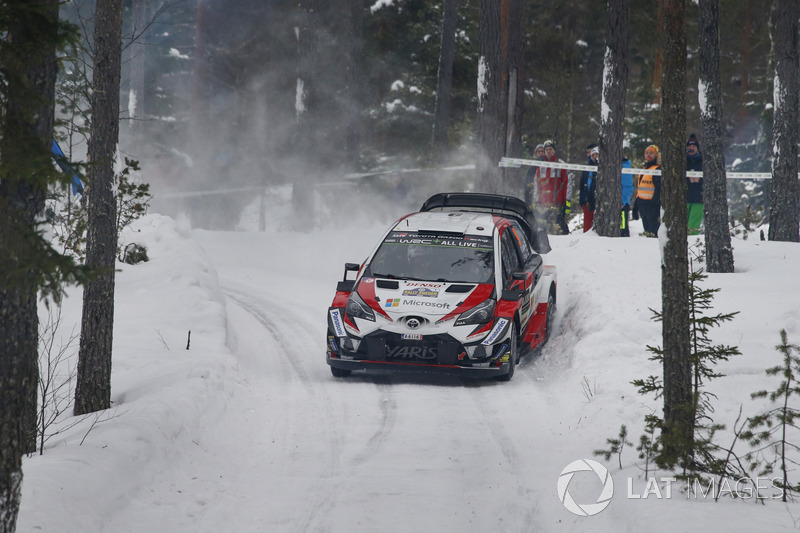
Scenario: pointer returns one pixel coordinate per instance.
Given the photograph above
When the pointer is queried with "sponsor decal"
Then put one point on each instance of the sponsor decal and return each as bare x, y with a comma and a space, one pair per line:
392, 302
332, 343
420, 284
336, 320
421, 303
368, 280
468, 241
496, 331
411, 352
421, 291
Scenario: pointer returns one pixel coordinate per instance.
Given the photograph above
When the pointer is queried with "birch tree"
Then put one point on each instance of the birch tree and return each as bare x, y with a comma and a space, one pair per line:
612, 119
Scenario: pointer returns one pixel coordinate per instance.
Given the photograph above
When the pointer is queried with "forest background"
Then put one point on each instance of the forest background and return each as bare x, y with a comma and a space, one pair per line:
197, 71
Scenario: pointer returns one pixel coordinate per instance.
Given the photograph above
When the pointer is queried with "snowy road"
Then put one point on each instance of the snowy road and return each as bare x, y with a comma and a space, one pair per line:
297, 450
247, 431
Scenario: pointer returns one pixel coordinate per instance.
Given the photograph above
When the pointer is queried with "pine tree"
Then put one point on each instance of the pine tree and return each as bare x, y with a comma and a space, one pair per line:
93, 388
770, 430
678, 431
612, 120
719, 253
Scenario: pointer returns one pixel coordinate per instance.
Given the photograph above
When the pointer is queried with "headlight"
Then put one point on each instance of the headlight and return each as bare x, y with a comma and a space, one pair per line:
480, 314
357, 308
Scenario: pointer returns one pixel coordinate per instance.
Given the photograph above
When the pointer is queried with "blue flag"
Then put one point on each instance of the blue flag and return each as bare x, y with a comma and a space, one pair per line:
66, 168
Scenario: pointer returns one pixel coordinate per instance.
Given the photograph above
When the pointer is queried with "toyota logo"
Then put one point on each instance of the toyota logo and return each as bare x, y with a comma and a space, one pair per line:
413, 323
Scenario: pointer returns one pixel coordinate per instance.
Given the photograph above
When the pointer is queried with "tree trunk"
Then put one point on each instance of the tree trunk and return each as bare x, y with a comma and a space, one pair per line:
305, 101
136, 97
491, 96
501, 36
719, 253
612, 120
354, 84
444, 84
784, 219
93, 388
29, 74
678, 429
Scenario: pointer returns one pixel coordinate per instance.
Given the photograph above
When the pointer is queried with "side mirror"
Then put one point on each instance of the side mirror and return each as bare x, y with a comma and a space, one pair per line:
346, 285
522, 280
350, 267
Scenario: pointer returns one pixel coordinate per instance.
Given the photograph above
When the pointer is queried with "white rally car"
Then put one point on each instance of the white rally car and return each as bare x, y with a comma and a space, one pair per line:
459, 287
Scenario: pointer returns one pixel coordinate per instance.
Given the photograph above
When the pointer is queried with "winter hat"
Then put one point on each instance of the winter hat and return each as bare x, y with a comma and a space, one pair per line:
595, 150
693, 141
550, 144
537, 147
654, 148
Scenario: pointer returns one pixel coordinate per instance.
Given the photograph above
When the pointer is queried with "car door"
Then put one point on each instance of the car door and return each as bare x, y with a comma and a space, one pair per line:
513, 266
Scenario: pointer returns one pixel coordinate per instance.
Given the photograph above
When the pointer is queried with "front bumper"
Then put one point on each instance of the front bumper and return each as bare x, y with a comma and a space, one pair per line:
440, 354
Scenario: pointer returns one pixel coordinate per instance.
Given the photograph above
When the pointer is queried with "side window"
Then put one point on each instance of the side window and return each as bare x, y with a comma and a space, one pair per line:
524, 246
511, 262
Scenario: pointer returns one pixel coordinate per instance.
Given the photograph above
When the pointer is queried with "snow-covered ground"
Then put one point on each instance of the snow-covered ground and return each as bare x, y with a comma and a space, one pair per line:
244, 429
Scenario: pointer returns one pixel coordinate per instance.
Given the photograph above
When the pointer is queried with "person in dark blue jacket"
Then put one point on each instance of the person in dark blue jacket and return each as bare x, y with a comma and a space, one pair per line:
627, 192
588, 187
694, 186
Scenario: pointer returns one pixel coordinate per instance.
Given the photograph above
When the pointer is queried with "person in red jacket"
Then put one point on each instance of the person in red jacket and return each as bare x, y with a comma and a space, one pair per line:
553, 192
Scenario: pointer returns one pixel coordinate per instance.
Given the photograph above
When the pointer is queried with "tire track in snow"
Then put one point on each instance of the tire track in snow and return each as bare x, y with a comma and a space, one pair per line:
284, 326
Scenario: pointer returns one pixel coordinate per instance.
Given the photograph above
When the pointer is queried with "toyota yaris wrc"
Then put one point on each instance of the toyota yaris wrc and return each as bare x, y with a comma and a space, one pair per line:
459, 287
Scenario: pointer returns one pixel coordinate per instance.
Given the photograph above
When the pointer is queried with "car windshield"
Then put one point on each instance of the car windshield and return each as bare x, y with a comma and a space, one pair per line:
460, 258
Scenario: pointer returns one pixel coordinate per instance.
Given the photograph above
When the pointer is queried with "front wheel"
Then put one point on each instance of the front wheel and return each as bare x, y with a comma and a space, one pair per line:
340, 372
512, 357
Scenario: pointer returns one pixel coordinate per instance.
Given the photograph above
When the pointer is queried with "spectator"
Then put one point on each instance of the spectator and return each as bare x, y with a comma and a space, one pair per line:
694, 186
553, 192
648, 192
530, 176
627, 192
588, 186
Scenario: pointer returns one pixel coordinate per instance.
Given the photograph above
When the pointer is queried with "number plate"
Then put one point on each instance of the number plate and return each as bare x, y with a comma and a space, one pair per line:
411, 336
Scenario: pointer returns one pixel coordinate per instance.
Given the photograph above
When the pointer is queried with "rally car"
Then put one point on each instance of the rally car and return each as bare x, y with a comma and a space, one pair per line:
459, 287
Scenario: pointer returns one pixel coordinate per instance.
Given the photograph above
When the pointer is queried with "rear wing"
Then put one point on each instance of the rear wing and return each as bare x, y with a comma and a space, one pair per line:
507, 206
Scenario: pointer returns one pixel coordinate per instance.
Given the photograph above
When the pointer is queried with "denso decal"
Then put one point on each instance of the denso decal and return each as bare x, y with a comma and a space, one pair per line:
421, 291
411, 352
421, 303
496, 331
420, 284
336, 320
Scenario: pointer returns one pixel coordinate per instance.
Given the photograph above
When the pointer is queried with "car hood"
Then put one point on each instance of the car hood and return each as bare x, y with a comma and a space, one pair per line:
436, 300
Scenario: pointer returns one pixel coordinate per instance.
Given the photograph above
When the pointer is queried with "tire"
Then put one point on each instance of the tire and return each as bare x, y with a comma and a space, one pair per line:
340, 372
514, 356
551, 315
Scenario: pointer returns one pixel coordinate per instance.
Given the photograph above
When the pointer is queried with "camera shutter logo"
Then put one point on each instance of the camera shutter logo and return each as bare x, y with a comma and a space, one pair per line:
586, 509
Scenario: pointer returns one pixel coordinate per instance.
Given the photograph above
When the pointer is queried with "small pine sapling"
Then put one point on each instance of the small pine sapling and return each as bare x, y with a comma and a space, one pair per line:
616, 445
771, 430
704, 356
